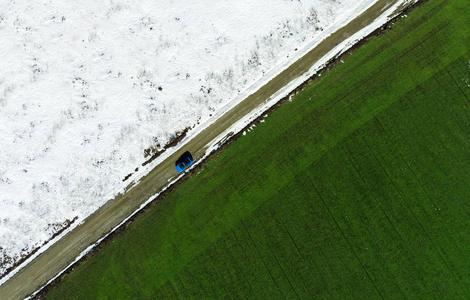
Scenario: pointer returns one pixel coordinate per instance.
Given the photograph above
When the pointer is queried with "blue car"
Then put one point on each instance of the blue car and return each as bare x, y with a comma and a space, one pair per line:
184, 162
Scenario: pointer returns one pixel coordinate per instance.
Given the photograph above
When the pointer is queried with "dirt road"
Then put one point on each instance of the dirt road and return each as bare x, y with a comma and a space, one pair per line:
64, 251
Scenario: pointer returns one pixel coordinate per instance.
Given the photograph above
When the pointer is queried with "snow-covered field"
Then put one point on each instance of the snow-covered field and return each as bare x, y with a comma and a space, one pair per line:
87, 86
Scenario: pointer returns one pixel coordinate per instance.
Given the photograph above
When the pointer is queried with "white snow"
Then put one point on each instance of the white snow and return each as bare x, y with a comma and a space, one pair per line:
87, 86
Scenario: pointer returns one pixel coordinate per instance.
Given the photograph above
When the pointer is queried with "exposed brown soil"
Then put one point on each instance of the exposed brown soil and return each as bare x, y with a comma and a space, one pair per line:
156, 151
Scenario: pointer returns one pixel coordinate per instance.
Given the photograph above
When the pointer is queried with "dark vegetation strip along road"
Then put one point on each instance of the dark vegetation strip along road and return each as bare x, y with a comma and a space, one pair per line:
63, 252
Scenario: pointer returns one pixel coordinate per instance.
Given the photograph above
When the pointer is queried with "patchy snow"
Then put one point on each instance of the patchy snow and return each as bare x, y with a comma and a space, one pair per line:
86, 87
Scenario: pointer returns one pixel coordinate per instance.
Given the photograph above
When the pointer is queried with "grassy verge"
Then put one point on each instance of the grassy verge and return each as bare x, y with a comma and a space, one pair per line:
356, 189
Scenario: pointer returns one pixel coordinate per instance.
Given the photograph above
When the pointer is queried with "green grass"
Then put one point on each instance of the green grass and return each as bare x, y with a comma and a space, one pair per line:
358, 189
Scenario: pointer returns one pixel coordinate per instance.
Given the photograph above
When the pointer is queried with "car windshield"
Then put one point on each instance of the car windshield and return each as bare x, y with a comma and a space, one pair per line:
185, 162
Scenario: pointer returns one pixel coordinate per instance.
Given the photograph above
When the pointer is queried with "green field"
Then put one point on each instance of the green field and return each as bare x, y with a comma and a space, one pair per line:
358, 188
